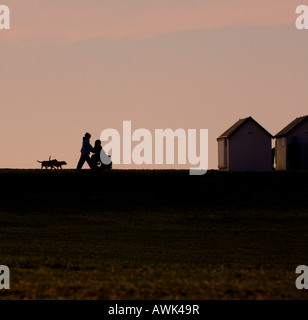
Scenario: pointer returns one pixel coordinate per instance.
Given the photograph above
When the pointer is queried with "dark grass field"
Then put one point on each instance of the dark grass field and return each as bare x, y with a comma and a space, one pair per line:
153, 234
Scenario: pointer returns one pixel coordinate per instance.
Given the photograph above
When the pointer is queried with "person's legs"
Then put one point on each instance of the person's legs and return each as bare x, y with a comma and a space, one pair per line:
89, 161
81, 162
94, 162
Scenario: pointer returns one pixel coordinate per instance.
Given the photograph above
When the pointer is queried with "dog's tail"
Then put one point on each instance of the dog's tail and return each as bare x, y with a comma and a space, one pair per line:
39, 161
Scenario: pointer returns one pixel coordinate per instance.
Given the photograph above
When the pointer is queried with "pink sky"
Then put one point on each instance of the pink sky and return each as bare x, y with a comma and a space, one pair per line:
66, 21
72, 66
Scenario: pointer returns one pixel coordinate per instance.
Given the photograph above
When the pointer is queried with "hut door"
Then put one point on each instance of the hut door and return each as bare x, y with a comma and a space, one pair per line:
222, 152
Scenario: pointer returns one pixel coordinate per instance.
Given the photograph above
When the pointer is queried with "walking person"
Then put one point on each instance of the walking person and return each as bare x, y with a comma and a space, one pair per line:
85, 152
100, 160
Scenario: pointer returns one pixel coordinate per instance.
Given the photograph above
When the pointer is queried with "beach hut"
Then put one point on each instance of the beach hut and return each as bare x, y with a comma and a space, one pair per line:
245, 146
291, 146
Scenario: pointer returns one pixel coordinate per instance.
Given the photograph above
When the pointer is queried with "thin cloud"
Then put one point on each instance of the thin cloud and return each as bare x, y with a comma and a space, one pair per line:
36, 22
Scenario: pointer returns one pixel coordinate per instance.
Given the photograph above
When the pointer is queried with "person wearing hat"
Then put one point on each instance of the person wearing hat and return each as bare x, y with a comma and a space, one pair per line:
85, 152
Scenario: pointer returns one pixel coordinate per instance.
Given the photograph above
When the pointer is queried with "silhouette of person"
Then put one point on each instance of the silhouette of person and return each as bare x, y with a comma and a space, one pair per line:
85, 152
294, 154
100, 160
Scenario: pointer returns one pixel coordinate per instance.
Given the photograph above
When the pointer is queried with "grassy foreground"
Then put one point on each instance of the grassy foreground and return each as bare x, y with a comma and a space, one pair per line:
153, 234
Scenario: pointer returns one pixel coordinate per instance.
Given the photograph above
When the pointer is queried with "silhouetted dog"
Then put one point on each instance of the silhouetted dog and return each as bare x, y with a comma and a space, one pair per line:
48, 163
59, 164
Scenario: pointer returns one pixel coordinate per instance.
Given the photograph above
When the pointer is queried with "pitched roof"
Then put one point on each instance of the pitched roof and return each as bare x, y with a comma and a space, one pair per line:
238, 125
291, 126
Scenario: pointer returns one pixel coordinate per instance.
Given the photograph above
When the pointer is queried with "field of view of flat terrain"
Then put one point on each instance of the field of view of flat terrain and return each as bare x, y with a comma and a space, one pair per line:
128, 234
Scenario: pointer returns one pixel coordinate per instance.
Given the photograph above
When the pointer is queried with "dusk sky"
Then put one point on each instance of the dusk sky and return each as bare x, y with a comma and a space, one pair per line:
73, 66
